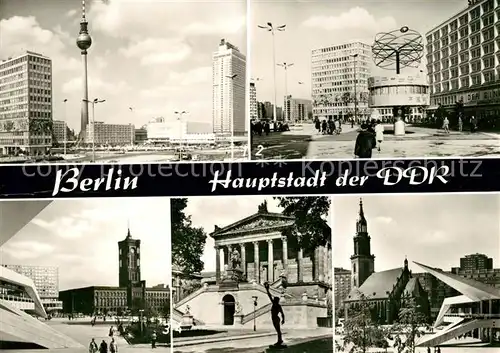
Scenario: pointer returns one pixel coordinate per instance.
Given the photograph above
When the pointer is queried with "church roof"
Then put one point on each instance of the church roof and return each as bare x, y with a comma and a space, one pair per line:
414, 288
378, 286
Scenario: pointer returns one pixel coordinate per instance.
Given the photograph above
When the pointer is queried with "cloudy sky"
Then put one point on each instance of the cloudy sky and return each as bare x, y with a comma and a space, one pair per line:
80, 237
223, 212
313, 24
152, 55
436, 230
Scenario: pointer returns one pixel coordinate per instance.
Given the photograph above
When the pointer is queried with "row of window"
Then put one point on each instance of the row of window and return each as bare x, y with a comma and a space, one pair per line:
24, 114
397, 90
473, 80
25, 142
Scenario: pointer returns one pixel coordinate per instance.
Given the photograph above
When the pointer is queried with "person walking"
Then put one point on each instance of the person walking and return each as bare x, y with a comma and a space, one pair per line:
276, 310
379, 134
111, 331
460, 124
93, 346
103, 348
113, 347
446, 125
365, 142
153, 339
317, 124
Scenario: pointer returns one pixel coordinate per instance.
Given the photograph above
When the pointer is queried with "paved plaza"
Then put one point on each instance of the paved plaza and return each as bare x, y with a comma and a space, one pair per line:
418, 142
303, 341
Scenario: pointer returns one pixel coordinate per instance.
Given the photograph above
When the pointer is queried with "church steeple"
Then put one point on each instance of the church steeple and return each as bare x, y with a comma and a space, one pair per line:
128, 230
362, 261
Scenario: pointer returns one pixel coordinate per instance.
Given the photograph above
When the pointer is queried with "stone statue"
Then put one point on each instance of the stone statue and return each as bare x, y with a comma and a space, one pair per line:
235, 259
237, 308
263, 207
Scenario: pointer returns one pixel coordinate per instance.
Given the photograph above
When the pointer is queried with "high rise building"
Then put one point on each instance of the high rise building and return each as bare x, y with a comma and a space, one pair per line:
463, 60
342, 285
253, 101
362, 261
46, 281
229, 93
336, 73
26, 104
297, 109
476, 262
59, 131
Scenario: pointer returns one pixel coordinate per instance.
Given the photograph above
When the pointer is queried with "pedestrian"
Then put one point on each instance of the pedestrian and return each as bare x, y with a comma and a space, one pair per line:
379, 134
276, 310
439, 350
111, 331
93, 346
428, 349
460, 124
103, 348
317, 125
153, 339
446, 125
324, 126
365, 142
113, 347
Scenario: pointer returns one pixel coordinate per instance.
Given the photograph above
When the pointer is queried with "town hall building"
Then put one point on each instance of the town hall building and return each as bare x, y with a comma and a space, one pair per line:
385, 291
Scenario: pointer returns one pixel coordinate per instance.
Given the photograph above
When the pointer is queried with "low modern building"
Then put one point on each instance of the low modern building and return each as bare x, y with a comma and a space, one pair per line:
101, 133
463, 61
342, 286
141, 136
176, 131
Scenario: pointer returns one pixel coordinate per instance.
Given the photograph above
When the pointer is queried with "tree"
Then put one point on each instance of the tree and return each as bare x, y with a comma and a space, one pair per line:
311, 230
360, 330
188, 242
410, 321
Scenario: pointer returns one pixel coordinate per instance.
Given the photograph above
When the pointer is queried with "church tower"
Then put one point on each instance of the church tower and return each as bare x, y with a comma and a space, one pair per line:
362, 261
129, 252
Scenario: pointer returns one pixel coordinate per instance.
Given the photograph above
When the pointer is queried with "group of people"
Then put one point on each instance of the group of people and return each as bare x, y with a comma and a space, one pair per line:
103, 347
460, 124
328, 127
436, 350
370, 136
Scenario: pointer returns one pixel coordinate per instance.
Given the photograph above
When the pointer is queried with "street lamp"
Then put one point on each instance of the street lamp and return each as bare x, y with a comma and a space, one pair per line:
180, 131
232, 77
254, 310
286, 66
270, 28
94, 102
65, 125
354, 56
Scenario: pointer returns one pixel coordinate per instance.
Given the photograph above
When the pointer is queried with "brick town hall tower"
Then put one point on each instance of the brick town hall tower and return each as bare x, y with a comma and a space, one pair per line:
129, 273
362, 261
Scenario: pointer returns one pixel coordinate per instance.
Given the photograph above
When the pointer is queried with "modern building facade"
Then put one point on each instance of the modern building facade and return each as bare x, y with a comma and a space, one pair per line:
476, 262
253, 101
297, 109
60, 131
26, 104
131, 293
342, 285
229, 90
46, 281
337, 72
463, 61
179, 132
101, 133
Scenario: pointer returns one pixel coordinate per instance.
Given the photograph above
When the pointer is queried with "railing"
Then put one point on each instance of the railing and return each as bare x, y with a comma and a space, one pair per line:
255, 314
471, 316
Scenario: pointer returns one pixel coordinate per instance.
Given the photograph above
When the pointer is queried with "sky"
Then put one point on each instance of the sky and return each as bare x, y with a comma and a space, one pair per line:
313, 24
154, 56
435, 230
223, 212
80, 238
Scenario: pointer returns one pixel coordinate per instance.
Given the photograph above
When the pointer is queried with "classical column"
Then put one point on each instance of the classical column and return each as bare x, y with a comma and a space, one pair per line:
300, 271
256, 261
270, 261
243, 258
318, 264
228, 257
217, 263
326, 265
284, 241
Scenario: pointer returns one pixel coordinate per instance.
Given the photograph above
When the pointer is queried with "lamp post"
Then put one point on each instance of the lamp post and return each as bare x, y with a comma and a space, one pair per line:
354, 56
232, 77
180, 131
270, 28
94, 102
65, 125
254, 310
286, 66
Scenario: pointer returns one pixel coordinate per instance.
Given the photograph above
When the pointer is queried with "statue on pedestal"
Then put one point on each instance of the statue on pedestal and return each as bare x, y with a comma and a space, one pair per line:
235, 259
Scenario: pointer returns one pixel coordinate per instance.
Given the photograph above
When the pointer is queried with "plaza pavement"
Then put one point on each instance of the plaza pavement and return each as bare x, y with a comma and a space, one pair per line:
419, 142
257, 344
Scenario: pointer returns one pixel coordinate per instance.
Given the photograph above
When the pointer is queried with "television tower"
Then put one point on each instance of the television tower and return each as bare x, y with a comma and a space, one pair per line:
84, 41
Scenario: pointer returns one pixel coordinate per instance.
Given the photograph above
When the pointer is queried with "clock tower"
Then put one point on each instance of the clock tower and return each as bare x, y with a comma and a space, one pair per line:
129, 271
362, 261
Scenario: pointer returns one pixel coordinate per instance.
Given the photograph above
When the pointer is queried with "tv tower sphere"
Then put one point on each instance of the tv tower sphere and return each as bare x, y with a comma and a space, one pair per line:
84, 41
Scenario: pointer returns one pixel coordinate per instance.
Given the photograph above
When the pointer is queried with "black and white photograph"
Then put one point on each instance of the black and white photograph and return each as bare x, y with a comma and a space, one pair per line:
110, 81
85, 275
374, 79
417, 273
252, 274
